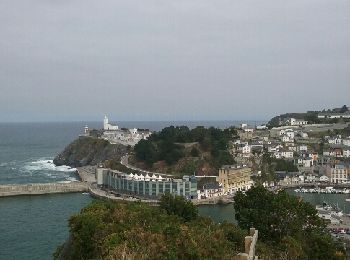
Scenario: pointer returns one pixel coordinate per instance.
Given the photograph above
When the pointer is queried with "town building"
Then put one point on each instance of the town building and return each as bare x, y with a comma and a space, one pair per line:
124, 136
331, 115
235, 178
296, 122
210, 190
339, 173
146, 186
108, 126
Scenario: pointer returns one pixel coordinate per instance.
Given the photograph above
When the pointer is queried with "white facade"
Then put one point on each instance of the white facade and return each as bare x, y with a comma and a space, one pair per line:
346, 141
123, 136
302, 148
305, 162
324, 178
287, 154
261, 127
287, 139
290, 134
297, 122
108, 126
335, 140
246, 150
346, 152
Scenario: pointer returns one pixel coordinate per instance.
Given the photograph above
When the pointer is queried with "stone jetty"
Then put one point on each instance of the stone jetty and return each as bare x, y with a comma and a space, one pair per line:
42, 188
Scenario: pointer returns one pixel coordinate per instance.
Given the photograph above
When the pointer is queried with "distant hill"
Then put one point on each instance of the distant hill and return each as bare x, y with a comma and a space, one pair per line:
310, 116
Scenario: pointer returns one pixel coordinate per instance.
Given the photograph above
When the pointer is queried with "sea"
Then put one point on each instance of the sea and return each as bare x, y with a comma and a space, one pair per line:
31, 227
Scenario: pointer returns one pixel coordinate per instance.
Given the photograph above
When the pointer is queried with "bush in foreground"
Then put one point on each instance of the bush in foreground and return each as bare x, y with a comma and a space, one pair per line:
111, 230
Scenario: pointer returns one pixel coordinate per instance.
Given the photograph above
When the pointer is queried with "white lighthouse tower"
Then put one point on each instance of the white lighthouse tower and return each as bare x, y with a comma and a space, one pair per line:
105, 123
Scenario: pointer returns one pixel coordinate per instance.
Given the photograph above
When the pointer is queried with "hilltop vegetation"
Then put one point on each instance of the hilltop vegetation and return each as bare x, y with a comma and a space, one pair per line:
89, 151
191, 149
110, 230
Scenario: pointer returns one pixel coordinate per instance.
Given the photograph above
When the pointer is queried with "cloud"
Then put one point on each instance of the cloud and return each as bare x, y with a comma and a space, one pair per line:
171, 60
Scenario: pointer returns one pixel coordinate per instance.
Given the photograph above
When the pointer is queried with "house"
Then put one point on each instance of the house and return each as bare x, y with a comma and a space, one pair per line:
323, 160
324, 178
302, 148
290, 134
286, 153
335, 140
296, 122
210, 190
306, 162
311, 178
339, 173
234, 178
261, 127
346, 151
246, 150
292, 148
287, 139
346, 141
336, 152
331, 115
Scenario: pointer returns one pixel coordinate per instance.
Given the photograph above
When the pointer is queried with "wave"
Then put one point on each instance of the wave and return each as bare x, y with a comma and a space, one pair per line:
47, 165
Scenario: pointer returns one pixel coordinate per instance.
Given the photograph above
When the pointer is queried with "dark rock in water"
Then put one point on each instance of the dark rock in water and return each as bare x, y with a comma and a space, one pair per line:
89, 151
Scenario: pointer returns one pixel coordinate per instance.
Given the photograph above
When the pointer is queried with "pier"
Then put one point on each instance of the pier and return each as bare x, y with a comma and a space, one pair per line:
42, 188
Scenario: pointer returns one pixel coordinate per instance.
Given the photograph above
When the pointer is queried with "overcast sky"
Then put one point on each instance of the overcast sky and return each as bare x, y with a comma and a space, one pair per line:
172, 60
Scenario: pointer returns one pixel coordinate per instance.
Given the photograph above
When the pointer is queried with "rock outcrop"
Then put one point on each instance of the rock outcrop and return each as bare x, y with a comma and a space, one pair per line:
89, 151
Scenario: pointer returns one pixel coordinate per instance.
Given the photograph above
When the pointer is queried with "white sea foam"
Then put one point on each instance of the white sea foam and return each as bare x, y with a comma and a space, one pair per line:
47, 165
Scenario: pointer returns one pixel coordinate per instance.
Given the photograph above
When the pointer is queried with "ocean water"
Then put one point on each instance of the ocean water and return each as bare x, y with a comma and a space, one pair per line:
31, 227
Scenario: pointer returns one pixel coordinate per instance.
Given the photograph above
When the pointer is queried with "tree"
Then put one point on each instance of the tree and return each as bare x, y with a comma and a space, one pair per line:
178, 205
286, 222
344, 109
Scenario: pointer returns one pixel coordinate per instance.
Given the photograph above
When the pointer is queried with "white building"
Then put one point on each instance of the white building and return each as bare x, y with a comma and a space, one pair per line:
114, 135
287, 139
297, 122
246, 150
335, 140
324, 178
302, 148
304, 162
346, 141
286, 154
290, 134
108, 126
346, 152
210, 190
261, 127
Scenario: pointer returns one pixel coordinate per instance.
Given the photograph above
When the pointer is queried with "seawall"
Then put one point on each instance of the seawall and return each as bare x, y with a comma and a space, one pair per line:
41, 188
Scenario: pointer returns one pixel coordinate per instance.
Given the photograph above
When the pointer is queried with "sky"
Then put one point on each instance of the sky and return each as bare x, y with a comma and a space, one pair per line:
66, 60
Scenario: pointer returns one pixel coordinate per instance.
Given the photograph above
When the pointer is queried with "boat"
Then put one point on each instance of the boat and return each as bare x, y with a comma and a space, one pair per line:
327, 209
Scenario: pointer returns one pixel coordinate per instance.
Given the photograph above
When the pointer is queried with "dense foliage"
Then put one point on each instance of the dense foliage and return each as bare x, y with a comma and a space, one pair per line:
287, 225
269, 166
109, 230
178, 205
167, 145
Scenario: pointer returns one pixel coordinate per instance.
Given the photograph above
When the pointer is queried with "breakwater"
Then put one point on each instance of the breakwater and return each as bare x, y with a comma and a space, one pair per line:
41, 188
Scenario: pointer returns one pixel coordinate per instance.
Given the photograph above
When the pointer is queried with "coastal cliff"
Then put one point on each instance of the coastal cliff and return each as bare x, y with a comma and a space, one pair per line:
89, 151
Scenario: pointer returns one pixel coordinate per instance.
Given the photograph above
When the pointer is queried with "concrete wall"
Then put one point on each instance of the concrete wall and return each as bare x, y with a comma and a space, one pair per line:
41, 188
